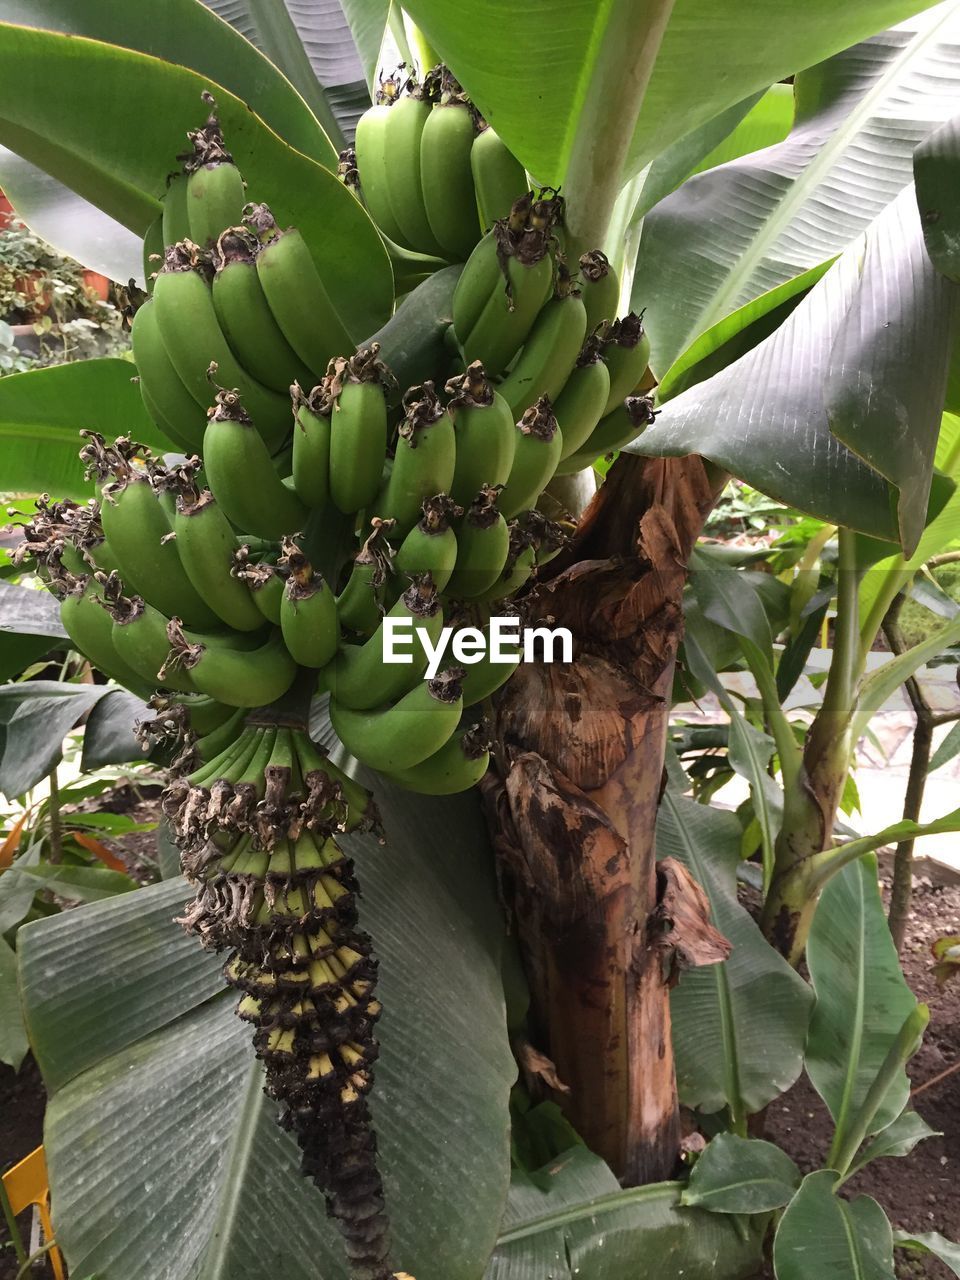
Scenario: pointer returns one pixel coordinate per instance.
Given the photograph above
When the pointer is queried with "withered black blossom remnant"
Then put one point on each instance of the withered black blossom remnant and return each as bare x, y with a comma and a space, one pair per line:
274, 889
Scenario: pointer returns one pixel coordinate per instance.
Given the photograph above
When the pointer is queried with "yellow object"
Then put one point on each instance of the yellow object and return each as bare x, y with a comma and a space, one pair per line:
26, 1184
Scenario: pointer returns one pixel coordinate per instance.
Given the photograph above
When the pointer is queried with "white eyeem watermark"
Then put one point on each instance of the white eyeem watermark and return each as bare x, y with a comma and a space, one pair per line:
505, 640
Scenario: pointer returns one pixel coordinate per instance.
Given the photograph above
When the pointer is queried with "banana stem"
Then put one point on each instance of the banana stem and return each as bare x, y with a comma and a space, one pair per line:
627, 39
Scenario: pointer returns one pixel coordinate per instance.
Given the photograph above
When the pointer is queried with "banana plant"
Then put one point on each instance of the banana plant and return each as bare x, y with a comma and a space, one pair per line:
787, 371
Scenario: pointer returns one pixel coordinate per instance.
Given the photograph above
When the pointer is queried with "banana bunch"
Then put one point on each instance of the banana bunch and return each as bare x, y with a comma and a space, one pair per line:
258, 827
432, 174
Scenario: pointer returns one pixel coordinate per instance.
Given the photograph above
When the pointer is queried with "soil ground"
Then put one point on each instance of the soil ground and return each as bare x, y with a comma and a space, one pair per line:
920, 1192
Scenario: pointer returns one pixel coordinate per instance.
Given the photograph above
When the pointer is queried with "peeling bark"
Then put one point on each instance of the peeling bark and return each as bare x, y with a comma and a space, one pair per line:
574, 814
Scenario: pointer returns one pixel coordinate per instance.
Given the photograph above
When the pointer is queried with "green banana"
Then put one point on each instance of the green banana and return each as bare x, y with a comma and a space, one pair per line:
359, 603
614, 431
485, 677
359, 678
237, 677
483, 543
245, 316
308, 611
403, 129
174, 219
355, 391
213, 743
626, 350
424, 461
518, 570
166, 399
459, 765
371, 159
583, 399
301, 306
194, 340
137, 528
206, 545
241, 476
599, 288
550, 351
498, 176
539, 445
446, 176
140, 636
310, 461
215, 199
485, 434
264, 581
404, 734
431, 545
90, 629
360, 809
481, 275
204, 714
508, 314
412, 342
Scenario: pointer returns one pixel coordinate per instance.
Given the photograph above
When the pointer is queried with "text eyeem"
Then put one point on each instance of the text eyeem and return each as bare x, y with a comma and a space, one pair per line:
504, 640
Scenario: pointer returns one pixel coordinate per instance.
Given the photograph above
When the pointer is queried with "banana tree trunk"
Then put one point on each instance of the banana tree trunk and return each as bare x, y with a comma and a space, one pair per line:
573, 807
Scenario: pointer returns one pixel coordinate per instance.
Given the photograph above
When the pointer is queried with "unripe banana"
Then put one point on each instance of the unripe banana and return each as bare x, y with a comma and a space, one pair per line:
485, 677
626, 351
298, 299
599, 288
245, 316
583, 399
481, 275
166, 399
204, 714
138, 530
206, 545
213, 743
459, 765
424, 461
517, 572
445, 172
310, 459
485, 434
431, 545
403, 129
617, 429
355, 391
215, 199
174, 219
237, 677
539, 444
193, 339
483, 543
264, 581
370, 144
139, 635
550, 351
359, 678
359, 603
308, 612
360, 809
90, 629
241, 475
498, 176
509, 314
404, 734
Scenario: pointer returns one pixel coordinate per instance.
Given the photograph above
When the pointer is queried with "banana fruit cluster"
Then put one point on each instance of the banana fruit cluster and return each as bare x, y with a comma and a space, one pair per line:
327, 493
432, 174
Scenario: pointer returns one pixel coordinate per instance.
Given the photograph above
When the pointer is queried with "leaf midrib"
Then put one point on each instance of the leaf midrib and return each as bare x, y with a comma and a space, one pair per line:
744, 267
588, 1209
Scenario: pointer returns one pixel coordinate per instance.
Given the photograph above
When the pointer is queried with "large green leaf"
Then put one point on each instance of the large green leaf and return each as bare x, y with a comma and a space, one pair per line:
935, 172
741, 1175
823, 1235
311, 42
112, 121
37, 715
736, 232
766, 123
930, 1242
43, 411
738, 1027
29, 627
769, 416
709, 54
135, 1035
572, 1219
862, 998
13, 1035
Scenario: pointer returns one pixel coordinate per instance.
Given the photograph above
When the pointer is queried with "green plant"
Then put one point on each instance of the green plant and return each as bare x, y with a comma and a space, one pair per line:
743, 336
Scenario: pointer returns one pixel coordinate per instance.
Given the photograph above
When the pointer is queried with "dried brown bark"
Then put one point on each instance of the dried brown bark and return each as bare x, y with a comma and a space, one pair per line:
574, 811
